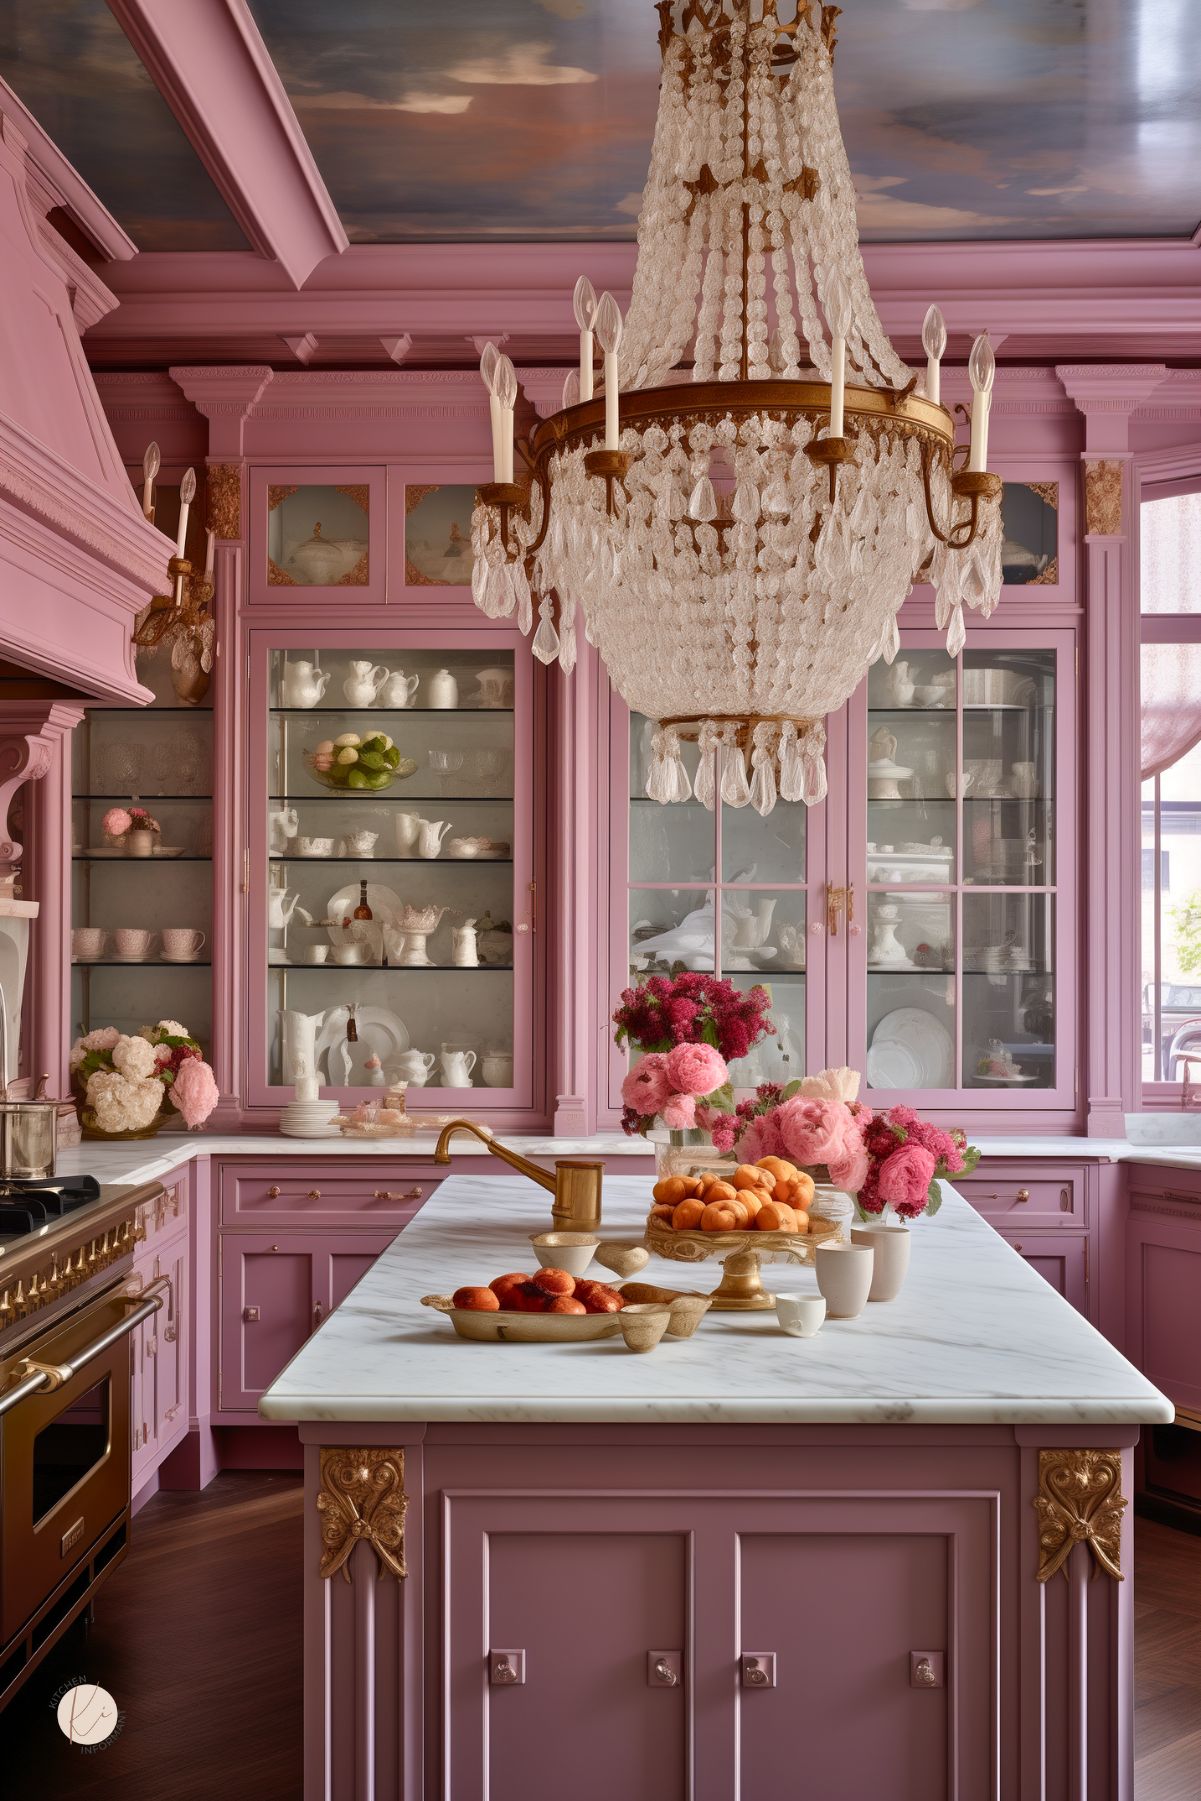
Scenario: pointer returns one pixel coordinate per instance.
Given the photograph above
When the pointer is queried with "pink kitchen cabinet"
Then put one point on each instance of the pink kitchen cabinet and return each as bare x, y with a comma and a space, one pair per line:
159, 1346
1061, 1258
1163, 1275
274, 1290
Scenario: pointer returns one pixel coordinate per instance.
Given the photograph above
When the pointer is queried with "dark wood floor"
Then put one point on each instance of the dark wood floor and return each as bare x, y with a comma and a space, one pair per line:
198, 1638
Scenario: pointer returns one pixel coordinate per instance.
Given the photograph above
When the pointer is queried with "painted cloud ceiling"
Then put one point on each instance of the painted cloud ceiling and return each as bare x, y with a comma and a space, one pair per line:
532, 119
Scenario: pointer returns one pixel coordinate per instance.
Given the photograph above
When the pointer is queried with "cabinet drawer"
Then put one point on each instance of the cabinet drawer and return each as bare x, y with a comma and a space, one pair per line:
1002, 1191
330, 1194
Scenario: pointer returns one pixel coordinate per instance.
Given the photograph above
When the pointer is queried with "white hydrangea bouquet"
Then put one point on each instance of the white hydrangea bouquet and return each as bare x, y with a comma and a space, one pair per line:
124, 1080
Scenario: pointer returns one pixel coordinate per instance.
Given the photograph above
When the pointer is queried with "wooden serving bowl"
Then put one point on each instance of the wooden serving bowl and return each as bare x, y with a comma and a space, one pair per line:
509, 1327
742, 1253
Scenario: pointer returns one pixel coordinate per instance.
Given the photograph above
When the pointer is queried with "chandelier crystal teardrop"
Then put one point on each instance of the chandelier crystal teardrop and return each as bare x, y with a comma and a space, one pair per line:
741, 509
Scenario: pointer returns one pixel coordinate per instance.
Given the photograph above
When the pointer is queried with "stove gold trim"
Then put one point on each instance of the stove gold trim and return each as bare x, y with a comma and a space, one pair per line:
40, 1269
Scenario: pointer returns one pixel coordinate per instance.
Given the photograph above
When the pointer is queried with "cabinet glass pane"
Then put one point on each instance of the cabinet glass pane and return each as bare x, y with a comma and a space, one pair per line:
757, 849
780, 1058
910, 1030
424, 817
1009, 767
910, 930
1009, 990
667, 843
317, 536
671, 929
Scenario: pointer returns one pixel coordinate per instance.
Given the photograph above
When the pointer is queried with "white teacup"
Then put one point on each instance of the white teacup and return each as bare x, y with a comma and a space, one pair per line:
498, 1069
316, 953
316, 847
800, 1315
361, 844
133, 941
182, 944
347, 953
88, 941
959, 784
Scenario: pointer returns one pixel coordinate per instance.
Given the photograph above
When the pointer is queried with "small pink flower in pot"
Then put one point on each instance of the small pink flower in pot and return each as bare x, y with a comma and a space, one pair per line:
116, 822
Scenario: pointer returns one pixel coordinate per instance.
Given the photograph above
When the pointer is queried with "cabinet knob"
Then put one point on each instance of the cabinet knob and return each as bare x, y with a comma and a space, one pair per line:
318, 1315
314, 1194
926, 1669
251, 1316
523, 926
274, 1192
1023, 1194
169, 1334
663, 1669
506, 1669
758, 1669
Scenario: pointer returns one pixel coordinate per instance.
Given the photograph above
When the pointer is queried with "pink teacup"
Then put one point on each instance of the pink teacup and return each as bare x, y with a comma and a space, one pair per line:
182, 944
133, 942
87, 942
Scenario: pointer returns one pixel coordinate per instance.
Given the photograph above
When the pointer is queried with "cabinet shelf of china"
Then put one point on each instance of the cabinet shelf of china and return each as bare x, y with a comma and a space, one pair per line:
412, 812
158, 758
920, 924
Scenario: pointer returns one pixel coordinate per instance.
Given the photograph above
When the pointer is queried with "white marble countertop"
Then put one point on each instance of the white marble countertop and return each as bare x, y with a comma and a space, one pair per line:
975, 1336
155, 1159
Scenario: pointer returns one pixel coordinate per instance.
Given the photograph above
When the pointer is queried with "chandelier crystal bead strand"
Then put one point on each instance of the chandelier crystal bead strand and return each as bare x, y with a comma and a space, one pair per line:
739, 510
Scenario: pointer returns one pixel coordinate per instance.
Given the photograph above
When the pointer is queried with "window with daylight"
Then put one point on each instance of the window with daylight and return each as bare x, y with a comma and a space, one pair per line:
1171, 792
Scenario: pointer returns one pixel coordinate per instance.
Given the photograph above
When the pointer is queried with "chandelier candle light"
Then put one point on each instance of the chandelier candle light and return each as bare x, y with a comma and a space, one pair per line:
741, 513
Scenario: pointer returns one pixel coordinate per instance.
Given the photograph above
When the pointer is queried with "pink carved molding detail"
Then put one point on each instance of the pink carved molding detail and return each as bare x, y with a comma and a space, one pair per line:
29, 734
227, 396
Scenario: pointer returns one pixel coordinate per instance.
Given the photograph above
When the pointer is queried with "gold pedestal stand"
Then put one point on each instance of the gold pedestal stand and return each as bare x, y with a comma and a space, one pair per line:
741, 1289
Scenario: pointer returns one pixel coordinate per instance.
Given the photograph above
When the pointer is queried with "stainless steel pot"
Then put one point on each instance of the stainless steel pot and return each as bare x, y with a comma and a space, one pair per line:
28, 1137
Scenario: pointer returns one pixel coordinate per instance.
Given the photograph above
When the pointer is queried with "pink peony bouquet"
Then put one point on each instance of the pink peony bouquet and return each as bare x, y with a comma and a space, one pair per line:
906, 1157
119, 821
123, 1079
692, 1009
664, 1087
886, 1160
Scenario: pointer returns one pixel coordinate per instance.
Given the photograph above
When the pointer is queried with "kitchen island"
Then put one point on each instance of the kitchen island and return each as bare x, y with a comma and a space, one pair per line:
896, 1557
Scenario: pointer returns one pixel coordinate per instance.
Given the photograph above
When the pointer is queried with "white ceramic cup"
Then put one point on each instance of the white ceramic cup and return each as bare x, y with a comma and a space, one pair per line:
316, 847
844, 1275
498, 1069
347, 953
415, 1067
316, 953
182, 944
88, 941
800, 1315
133, 941
457, 1067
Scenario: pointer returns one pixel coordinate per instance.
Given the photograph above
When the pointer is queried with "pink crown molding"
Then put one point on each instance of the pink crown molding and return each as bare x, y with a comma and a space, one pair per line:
142, 396
227, 396
212, 68
54, 183
1073, 296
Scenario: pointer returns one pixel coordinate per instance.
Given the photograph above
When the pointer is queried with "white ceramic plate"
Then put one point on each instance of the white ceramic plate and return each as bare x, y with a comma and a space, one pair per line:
892, 1065
929, 1042
381, 1032
384, 902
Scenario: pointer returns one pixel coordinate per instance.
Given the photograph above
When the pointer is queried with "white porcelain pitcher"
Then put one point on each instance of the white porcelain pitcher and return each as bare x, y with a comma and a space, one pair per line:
304, 684
407, 826
398, 689
415, 1067
284, 824
281, 904
464, 952
431, 832
457, 1067
364, 683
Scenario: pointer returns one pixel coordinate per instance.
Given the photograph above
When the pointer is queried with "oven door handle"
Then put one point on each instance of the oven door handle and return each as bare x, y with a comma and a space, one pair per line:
44, 1378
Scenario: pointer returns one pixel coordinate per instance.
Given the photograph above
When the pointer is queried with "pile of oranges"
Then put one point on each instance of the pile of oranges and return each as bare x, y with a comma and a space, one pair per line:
772, 1195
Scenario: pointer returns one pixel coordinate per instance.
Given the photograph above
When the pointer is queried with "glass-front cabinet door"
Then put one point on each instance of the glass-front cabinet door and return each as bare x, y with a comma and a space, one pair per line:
717, 888
962, 976
392, 892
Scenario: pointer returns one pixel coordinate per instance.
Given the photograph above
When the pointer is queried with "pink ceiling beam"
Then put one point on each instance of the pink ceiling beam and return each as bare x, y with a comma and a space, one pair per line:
210, 64
1074, 294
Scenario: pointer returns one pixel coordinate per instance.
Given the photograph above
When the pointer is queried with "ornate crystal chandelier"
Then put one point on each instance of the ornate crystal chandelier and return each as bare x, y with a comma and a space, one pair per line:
740, 514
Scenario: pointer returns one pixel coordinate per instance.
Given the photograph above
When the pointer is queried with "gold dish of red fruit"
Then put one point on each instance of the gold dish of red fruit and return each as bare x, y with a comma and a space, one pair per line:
546, 1306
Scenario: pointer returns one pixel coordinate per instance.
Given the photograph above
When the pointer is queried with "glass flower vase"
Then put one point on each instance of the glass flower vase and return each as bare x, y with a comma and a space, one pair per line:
687, 1153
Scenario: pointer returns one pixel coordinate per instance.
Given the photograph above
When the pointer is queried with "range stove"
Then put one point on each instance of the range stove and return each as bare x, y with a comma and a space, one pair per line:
66, 1312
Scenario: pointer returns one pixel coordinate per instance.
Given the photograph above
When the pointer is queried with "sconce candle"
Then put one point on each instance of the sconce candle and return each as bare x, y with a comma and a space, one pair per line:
584, 304
982, 367
506, 393
151, 463
210, 552
838, 318
488, 361
934, 343
609, 328
187, 494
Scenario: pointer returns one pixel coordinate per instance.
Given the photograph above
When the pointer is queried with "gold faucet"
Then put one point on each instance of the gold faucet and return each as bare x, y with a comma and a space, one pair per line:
576, 1186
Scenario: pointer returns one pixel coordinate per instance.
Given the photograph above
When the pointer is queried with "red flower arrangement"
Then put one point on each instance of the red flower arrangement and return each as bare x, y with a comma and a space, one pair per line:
906, 1158
692, 1008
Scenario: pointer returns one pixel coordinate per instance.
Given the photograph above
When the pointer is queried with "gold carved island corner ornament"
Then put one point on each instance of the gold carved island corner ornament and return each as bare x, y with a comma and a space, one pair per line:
1079, 1501
1103, 499
362, 1499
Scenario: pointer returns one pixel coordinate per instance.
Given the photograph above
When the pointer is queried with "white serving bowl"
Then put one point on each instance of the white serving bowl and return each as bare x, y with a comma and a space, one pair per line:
572, 1251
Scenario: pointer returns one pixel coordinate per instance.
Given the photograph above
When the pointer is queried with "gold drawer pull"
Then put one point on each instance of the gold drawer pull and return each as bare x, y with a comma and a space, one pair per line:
274, 1192
318, 1315
1023, 1194
314, 1194
388, 1194
251, 1316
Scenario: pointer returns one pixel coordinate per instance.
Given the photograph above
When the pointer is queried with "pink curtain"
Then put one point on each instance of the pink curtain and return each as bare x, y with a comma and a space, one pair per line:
1171, 673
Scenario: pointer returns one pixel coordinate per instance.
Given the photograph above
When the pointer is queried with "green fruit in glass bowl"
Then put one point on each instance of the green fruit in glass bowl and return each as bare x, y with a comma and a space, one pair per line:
391, 756
348, 756
347, 738
379, 778
358, 778
372, 759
